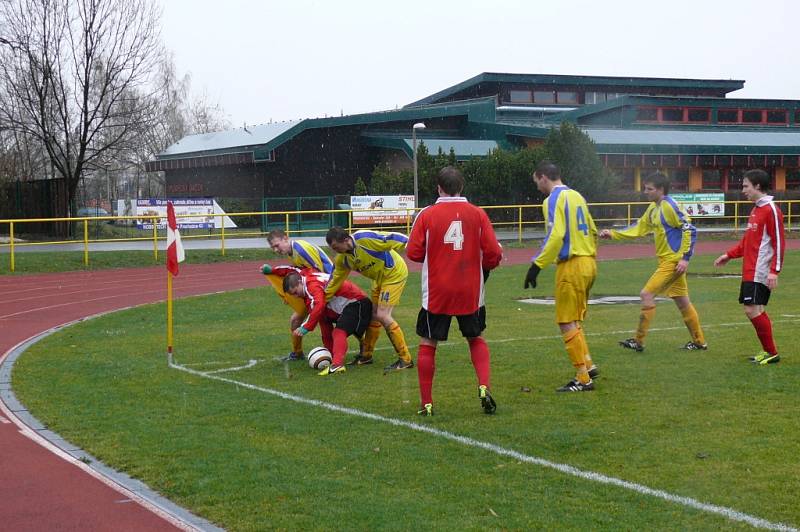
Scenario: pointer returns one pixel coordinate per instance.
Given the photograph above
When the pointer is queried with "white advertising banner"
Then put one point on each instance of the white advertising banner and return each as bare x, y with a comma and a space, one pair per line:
191, 213
701, 205
371, 210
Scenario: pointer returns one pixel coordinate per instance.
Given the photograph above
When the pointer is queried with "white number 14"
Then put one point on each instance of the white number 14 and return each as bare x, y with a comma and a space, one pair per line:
454, 235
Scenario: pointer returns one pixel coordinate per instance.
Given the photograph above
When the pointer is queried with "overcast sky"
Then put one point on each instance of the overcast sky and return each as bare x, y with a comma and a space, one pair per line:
290, 59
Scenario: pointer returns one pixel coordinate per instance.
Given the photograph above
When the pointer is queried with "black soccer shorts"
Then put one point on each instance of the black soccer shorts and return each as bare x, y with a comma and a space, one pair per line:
752, 293
437, 326
355, 317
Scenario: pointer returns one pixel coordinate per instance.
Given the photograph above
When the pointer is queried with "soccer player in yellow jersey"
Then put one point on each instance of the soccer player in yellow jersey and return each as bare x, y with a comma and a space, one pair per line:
570, 242
303, 255
675, 237
374, 255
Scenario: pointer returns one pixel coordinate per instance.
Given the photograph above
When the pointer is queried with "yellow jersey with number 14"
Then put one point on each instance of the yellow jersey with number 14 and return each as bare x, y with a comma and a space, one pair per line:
570, 228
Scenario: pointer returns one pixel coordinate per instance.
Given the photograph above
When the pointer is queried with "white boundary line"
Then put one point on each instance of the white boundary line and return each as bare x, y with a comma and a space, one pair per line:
729, 513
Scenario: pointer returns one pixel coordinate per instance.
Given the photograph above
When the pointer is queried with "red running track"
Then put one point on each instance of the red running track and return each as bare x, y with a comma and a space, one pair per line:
40, 490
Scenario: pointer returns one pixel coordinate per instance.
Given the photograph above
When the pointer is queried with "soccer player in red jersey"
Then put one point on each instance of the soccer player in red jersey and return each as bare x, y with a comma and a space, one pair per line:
762, 248
347, 313
455, 242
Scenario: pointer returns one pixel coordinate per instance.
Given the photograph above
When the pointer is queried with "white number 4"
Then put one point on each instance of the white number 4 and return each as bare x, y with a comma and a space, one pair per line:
454, 235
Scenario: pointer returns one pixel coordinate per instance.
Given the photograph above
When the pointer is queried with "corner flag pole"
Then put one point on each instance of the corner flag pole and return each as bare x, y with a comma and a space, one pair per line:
169, 317
175, 255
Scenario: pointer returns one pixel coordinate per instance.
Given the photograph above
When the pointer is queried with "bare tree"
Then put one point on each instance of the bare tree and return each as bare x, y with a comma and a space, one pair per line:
78, 77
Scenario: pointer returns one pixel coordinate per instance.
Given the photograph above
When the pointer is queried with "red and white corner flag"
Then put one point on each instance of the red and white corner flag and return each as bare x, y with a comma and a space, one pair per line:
175, 253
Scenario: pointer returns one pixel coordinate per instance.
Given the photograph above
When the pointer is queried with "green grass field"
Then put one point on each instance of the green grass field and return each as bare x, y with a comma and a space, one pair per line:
709, 425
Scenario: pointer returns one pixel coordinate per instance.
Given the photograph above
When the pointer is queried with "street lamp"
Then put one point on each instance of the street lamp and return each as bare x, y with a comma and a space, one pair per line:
418, 125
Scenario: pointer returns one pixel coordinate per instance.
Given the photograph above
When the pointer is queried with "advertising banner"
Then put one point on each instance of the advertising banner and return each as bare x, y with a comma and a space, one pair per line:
191, 213
701, 205
374, 210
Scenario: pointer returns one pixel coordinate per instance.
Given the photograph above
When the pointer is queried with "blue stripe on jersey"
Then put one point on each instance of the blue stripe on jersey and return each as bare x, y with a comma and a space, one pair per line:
385, 256
302, 252
551, 211
675, 207
326, 263
564, 253
394, 237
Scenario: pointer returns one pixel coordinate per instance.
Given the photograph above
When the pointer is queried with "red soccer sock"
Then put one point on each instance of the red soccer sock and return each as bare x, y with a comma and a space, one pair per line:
339, 347
763, 327
426, 367
479, 353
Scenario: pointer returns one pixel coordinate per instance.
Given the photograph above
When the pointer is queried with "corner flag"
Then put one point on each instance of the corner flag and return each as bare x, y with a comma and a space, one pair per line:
175, 253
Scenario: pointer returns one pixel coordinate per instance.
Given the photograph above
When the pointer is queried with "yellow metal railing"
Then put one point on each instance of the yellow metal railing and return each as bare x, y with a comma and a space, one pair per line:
513, 218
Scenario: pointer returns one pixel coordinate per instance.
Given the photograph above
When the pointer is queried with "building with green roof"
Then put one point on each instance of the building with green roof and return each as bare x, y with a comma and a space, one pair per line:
688, 128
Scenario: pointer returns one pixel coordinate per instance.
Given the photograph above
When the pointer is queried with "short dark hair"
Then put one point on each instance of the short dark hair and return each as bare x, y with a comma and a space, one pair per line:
451, 180
658, 180
336, 234
759, 179
549, 169
290, 281
275, 234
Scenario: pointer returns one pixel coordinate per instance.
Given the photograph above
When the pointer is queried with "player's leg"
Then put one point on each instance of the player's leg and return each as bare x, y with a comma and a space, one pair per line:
679, 292
295, 321
586, 273
568, 298
389, 296
431, 329
754, 297
471, 326
373, 329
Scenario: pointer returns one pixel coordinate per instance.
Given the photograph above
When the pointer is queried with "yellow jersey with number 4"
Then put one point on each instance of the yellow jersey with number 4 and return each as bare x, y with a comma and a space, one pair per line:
570, 228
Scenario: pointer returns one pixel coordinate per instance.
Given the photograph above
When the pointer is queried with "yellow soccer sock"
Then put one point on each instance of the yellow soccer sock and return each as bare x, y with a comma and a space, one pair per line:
398, 341
587, 358
572, 341
645, 317
692, 321
297, 343
371, 338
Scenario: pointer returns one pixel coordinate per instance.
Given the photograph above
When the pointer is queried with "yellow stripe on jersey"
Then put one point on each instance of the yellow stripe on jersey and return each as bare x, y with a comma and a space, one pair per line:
374, 256
570, 228
672, 229
307, 255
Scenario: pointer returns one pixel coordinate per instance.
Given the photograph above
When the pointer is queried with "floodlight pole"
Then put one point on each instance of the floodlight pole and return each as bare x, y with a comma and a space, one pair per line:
418, 125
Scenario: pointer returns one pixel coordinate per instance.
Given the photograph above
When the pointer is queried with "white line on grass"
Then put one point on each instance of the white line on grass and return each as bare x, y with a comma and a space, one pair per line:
729, 513
250, 364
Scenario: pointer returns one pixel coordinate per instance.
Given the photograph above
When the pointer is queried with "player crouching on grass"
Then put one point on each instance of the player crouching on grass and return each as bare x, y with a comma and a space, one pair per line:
347, 313
301, 254
762, 247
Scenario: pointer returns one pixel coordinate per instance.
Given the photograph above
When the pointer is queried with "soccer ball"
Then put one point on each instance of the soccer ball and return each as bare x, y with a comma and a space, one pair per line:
319, 358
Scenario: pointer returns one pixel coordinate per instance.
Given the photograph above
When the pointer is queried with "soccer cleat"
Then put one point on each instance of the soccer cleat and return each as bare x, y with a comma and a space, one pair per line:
594, 371
632, 343
576, 386
293, 356
487, 402
764, 358
425, 410
398, 365
331, 370
694, 346
360, 360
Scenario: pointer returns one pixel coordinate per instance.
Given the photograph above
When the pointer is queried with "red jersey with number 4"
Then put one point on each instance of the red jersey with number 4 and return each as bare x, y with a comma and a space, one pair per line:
455, 242
763, 244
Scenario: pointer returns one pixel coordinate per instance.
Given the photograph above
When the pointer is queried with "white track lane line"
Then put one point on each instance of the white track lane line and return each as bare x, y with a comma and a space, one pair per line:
728, 513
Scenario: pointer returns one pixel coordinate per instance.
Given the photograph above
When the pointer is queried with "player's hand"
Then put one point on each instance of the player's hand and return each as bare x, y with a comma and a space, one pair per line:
772, 281
722, 260
266, 269
533, 273
682, 266
605, 233
300, 331
486, 275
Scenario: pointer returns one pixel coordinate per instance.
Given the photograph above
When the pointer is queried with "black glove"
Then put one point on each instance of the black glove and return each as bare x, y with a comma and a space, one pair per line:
533, 273
486, 275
